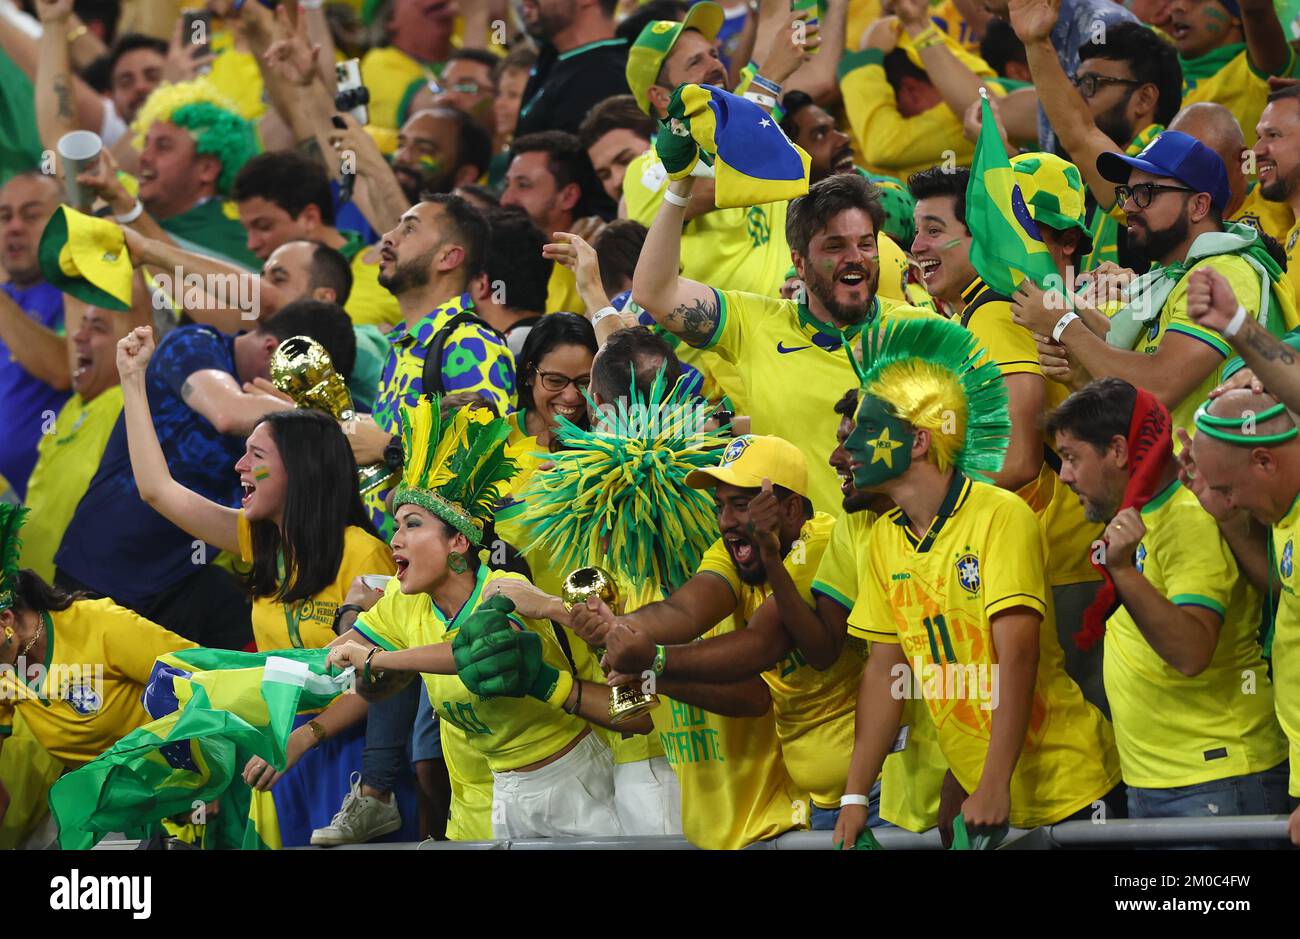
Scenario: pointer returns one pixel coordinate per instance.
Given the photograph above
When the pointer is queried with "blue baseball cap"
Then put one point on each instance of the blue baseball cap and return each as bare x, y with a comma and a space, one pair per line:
1173, 154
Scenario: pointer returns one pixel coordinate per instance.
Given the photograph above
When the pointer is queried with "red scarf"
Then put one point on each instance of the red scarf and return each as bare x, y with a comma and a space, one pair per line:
1150, 448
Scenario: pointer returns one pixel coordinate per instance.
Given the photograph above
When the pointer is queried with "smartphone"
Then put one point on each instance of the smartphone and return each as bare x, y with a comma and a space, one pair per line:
376, 581
198, 31
811, 7
352, 96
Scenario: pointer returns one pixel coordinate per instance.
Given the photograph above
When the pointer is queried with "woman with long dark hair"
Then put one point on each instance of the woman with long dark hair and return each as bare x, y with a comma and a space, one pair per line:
303, 528
73, 668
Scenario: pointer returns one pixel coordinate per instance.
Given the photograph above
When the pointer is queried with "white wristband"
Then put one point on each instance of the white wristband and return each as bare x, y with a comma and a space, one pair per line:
851, 799
127, 218
674, 199
603, 313
1068, 317
762, 100
1235, 323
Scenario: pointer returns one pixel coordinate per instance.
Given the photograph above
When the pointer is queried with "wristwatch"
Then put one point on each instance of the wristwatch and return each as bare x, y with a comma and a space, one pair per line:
394, 456
317, 730
344, 608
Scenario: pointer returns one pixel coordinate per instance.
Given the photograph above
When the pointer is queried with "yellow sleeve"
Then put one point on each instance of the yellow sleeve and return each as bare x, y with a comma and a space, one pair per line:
245, 534
6, 717
131, 642
887, 139
872, 616
718, 561
837, 574
643, 188
1241, 278
384, 624
1014, 575
806, 555
1195, 562
735, 309
1012, 347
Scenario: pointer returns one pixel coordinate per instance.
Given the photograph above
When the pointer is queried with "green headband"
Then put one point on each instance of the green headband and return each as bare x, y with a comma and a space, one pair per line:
1228, 429
448, 511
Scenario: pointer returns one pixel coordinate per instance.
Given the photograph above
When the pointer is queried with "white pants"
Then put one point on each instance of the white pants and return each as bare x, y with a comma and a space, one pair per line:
648, 797
571, 797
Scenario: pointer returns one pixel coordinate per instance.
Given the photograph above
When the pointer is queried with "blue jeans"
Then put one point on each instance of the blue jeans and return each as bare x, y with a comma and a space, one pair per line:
426, 737
1263, 793
825, 819
388, 737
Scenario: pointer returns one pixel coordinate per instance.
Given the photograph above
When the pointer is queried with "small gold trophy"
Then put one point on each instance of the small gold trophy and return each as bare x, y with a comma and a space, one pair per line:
302, 369
625, 701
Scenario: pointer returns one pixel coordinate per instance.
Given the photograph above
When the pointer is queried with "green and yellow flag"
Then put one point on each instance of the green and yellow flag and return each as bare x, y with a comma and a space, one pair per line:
213, 711
1007, 246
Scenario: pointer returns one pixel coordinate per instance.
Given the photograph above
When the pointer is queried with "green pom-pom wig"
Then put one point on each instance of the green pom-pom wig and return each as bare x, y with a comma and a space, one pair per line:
211, 119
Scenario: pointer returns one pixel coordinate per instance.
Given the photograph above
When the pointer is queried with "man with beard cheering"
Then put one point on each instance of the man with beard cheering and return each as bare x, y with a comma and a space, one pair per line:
1174, 195
791, 355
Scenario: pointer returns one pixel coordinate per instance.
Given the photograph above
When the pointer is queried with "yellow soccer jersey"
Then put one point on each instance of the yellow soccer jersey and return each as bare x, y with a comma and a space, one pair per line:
98, 659
1012, 347
795, 369
735, 788
1173, 318
1292, 262
1219, 723
509, 732
937, 596
1286, 637
392, 77
66, 461
1236, 84
1272, 218
470, 817
309, 623
814, 709
368, 303
912, 775
562, 292
734, 249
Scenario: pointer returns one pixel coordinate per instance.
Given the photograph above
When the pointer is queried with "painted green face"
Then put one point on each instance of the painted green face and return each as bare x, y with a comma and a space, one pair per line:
880, 445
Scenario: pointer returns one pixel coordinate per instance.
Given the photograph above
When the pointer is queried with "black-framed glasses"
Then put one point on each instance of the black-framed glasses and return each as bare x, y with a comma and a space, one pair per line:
1143, 193
554, 381
1089, 83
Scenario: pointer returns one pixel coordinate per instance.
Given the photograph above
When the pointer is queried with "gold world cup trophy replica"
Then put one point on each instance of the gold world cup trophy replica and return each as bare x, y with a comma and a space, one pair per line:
625, 701
301, 368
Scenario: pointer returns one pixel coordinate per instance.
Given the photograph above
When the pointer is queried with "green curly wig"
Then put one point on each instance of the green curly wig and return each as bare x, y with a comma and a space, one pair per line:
212, 120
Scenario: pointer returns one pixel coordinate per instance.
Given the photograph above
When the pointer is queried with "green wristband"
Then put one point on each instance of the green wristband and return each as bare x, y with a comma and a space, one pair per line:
661, 655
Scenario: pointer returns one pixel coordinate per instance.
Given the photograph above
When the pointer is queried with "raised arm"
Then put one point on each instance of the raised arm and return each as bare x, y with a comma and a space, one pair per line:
166, 256
41, 351
874, 728
818, 76
1266, 43
952, 78
691, 611
686, 308
218, 397
201, 517
1033, 21
63, 103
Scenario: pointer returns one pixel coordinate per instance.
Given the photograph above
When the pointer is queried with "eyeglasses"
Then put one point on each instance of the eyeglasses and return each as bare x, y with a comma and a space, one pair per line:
1143, 193
466, 87
1089, 83
554, 381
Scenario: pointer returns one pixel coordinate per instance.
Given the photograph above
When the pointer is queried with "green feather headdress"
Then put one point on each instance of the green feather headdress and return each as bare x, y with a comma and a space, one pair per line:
11, 520
935, 376
617, 496
454, 468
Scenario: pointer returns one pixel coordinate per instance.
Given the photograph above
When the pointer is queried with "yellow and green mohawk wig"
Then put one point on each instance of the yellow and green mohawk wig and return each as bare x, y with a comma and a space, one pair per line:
454, 467
11, 520
935, 376
617, 495
212, 119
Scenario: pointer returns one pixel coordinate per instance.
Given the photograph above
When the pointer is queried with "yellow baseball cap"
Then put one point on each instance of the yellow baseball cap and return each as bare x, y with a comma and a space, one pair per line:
86, 257
750, 459
646, 57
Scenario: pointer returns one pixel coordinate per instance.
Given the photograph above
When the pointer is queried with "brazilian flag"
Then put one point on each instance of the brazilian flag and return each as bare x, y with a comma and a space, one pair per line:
753, 161
213, 710
1007, 246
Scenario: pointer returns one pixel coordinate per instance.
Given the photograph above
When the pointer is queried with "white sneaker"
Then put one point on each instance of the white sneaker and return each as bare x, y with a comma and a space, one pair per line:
361, 819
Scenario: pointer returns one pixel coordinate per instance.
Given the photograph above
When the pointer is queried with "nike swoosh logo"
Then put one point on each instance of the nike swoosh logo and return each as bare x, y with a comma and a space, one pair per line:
781, 347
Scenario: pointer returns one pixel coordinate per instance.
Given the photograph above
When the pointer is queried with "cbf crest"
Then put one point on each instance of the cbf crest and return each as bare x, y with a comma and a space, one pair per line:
1284, 564
734, 450
968, 573
83, 697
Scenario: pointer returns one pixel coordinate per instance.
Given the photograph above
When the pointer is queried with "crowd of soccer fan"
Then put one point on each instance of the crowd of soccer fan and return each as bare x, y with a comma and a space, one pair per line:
958, 491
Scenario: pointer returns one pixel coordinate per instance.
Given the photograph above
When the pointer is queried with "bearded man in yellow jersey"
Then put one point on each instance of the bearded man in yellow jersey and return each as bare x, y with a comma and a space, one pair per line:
1184, 627
791, 356
1277, 160
956, 601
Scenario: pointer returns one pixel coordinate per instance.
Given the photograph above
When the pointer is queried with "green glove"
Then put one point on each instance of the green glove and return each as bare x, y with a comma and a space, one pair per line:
678, 154
490, 619
498, 664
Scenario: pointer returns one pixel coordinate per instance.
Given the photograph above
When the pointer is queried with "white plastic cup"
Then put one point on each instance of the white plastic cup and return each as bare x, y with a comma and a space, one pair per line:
78, 151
